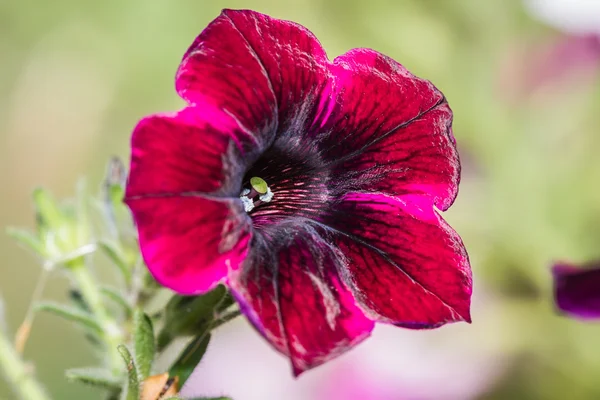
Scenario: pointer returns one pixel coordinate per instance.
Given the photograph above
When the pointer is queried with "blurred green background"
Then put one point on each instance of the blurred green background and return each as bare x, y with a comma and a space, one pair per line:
76, 76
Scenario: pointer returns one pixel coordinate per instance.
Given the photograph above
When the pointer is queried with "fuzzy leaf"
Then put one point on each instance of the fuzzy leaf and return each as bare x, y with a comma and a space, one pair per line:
144, 343
189, 358
27, 240
72, 314
115, 254
132, 391
98, 377
187, 315
49, 214
114, 295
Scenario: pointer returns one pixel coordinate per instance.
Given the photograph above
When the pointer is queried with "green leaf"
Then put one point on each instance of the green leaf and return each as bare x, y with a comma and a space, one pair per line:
72, 314
98, 377
49, 214
27, 240
114, 295
189, 358
115, 254
143, 337
188, 315
133, 385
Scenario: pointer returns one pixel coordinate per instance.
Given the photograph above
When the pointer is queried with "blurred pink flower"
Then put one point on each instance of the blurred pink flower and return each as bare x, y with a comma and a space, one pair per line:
577, 289
557, 62
567, 56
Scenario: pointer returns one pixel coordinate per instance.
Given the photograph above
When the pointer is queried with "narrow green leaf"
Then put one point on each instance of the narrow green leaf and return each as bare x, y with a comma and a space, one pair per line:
114, 295
187, 315
98, 377
49, 214
72, 314
189, 358
144, 343
81, 305
27, 239
133, 385
114, 253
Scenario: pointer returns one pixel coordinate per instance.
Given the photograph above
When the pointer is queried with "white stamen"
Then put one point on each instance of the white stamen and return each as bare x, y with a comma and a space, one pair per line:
248, 204
267, 197
245, 192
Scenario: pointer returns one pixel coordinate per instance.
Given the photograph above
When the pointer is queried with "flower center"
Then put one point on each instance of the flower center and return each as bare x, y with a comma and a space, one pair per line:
257, 194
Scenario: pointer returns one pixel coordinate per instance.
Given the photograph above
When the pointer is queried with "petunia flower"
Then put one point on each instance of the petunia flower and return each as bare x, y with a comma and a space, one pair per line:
577, 289
306, 186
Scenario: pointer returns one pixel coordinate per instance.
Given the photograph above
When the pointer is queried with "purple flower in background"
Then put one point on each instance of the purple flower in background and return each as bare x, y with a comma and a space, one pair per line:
577, 289
307, 186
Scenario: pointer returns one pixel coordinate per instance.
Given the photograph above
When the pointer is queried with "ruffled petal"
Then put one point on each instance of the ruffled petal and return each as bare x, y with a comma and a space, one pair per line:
577, 290
190, 243
296, 300
265, 72
391, 131
405, 264
189, 152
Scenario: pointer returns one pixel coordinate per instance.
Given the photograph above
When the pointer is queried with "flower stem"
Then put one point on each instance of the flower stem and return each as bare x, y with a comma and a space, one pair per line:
24, 330
17, 373
90, 290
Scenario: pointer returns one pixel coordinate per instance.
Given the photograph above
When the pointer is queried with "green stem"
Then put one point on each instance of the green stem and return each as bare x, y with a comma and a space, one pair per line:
17, 374
90, 290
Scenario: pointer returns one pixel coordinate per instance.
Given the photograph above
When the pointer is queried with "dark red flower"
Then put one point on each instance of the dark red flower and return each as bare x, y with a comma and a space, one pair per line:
577, 289
305, 185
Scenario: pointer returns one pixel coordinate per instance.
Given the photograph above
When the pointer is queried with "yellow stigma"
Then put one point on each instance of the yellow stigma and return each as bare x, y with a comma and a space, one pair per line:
259, 184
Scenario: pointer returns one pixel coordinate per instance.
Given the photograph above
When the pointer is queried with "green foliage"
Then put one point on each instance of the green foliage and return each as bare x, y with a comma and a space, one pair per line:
188, 315
132, 391
143, 337
116, 254
27, 240
94, 376
75, 315
117, 298
190, 357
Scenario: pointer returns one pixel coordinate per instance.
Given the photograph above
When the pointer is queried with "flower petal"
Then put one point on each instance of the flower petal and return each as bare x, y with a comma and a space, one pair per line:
189, 242
391, 129
265, 72
406, 265
577, 290
188, 151
296, 300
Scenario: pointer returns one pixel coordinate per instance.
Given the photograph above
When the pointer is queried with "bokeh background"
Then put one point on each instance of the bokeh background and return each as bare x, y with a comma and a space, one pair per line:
523, 81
